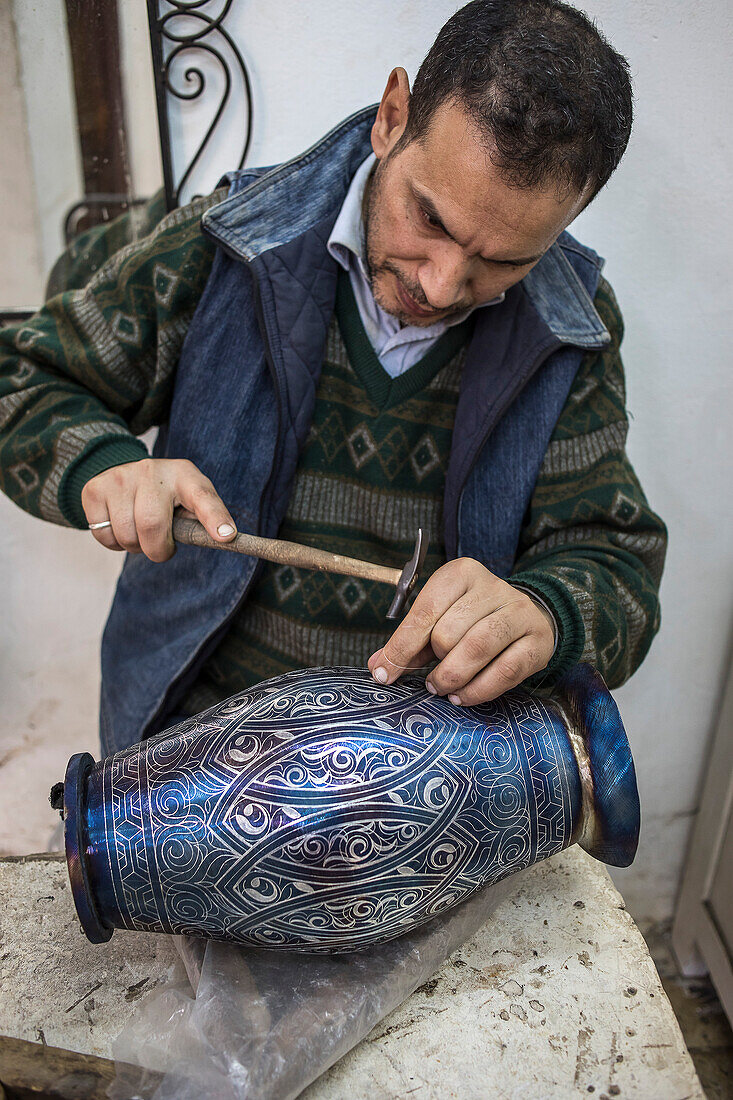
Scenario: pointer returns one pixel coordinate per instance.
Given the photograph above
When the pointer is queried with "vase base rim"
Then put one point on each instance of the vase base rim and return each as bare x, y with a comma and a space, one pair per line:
77, 770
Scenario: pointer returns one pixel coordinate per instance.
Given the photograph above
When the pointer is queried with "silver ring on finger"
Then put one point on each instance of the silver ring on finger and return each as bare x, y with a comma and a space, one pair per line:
100, 526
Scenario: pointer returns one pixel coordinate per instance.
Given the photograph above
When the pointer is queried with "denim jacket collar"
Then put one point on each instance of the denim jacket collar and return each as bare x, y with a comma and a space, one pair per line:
274, 208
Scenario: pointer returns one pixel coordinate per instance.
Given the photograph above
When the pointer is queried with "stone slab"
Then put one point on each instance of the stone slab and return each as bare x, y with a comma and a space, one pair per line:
55, 987
555, 997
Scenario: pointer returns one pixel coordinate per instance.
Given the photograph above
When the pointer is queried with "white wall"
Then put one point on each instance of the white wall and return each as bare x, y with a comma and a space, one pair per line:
45, 66
138, 89
664, 226
21, 280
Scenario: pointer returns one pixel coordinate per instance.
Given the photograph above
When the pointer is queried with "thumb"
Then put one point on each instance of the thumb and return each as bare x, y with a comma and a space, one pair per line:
208, 508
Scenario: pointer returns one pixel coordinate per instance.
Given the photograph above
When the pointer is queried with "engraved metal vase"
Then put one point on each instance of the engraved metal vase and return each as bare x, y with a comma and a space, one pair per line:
320, 811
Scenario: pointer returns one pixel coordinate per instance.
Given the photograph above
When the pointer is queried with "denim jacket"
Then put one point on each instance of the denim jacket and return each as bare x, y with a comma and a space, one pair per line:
244, 399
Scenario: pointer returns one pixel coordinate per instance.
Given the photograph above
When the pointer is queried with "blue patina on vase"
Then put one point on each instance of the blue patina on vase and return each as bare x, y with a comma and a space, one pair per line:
324, 812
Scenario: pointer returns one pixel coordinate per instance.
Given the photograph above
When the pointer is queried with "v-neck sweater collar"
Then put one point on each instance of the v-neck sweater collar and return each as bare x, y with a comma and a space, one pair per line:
383, 390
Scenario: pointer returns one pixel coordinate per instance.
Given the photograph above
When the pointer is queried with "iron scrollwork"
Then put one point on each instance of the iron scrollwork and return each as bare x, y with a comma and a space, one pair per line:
185, 27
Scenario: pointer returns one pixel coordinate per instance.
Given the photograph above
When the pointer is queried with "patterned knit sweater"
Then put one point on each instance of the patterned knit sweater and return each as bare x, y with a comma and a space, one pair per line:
96, 367
372, 471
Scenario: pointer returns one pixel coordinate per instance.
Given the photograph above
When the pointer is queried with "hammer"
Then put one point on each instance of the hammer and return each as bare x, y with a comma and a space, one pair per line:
191, 532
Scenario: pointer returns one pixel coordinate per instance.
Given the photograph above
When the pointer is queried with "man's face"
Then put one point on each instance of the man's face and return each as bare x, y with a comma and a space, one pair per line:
444, 232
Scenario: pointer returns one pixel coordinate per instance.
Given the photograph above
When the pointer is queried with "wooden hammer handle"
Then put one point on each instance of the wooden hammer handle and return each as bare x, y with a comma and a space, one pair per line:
191, 532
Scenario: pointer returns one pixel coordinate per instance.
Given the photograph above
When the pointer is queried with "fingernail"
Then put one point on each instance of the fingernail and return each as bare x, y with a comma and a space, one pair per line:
225, 529
380, 674
455, 700
431, 689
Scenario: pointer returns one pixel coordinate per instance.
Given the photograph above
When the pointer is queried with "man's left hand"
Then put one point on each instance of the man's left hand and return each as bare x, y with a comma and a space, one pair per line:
487, 636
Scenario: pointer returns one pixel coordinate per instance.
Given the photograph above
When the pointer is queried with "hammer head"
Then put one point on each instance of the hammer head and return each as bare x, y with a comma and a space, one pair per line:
409, 575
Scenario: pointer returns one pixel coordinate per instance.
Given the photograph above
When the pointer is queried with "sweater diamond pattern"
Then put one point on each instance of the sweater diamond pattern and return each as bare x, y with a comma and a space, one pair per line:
360, 466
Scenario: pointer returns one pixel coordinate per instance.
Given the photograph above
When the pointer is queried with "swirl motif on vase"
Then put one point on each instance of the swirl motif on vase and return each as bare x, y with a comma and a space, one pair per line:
322, 811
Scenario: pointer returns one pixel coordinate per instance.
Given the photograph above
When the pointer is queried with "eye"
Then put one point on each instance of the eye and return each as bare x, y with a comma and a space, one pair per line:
429, 219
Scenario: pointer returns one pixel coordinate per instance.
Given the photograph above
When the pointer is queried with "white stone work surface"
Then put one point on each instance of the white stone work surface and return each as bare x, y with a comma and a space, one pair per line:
555, 997
55, 986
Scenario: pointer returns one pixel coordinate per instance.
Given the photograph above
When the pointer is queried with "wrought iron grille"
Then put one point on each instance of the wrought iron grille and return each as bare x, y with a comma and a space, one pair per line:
179, 28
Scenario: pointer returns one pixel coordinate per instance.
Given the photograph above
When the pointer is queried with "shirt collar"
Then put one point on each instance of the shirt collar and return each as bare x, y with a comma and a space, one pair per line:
347, 235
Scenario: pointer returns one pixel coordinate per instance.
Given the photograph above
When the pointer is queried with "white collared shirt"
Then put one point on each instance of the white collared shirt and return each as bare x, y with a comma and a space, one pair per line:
398, 346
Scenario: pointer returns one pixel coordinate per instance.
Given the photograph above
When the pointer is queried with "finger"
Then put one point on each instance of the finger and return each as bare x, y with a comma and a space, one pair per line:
94, 504
419, 661
153, 512
413, 633
481, 644
122, 516
106, 537
473, 606
200, 497
509, 669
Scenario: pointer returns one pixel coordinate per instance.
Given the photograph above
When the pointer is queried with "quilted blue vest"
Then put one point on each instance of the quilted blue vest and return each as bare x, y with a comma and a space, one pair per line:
244, 399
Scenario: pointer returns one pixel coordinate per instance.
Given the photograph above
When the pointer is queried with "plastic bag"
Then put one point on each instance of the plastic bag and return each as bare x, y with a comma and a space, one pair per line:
237, 1022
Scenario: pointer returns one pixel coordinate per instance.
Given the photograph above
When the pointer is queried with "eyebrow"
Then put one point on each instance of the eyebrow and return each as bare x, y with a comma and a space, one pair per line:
429, 207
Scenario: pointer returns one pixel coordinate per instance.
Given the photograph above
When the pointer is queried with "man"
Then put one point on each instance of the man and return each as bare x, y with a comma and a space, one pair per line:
393, 330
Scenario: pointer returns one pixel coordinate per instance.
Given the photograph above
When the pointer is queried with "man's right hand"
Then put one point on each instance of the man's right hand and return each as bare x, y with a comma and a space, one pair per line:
139, 498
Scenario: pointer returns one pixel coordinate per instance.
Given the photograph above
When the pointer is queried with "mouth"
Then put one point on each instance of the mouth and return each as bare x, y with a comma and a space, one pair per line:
410, 305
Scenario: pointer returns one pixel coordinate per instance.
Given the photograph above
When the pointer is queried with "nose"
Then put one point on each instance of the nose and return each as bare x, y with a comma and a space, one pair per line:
443, 278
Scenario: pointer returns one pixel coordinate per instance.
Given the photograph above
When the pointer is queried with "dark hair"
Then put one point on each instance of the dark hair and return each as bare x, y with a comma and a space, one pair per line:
551, 98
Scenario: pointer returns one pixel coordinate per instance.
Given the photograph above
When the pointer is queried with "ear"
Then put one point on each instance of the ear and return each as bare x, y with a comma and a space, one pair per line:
391, 117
